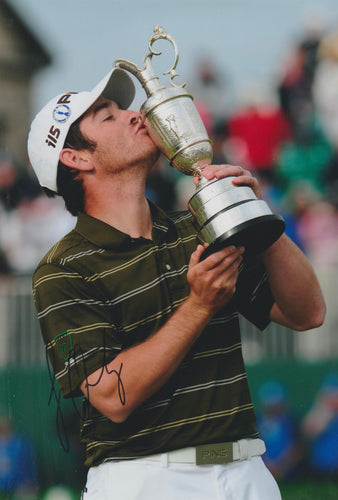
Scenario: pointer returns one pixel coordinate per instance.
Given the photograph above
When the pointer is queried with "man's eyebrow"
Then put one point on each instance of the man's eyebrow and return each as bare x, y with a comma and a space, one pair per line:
98, 108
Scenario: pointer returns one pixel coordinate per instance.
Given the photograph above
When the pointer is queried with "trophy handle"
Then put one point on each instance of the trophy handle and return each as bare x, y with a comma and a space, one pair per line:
146, 75
161, 34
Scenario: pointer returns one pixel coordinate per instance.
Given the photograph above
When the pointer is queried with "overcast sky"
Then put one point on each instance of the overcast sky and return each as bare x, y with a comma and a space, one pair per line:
247, 39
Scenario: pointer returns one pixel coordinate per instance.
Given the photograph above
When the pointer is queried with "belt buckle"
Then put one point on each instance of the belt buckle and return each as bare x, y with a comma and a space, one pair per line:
214, 454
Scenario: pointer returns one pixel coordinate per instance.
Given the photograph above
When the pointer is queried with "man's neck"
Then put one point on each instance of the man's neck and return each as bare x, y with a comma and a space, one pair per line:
123, 206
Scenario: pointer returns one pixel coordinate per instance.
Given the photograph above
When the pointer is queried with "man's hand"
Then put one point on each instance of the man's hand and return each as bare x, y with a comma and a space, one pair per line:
243, 177
213, 281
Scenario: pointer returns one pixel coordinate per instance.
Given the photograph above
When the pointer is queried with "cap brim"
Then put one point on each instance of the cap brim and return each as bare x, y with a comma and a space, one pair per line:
116, 86
119, 88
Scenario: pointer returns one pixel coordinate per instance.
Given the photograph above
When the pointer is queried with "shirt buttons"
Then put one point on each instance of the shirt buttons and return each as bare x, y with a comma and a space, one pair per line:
168, 267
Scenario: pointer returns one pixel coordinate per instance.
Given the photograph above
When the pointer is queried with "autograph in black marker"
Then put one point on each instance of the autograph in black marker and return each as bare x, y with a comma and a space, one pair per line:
105, 361
55, 393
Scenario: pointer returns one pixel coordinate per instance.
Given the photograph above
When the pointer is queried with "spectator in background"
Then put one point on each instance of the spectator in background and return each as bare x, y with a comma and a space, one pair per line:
184, 189
295, 204
18, 475
29, 222
27, 232
301, 94
206, 115
325, 92
325, 86
320, 428
297, 75
5, 268
260, 126
210, 91
318, 230
279, 429
219, 136
15, 183
330, 178
295, 90
304, 157
160, 185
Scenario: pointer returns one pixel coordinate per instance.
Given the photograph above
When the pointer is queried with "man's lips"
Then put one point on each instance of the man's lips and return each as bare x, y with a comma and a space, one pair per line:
140, 127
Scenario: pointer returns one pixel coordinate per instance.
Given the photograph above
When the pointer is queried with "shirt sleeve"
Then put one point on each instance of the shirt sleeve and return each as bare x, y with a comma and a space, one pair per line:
254, 298
76, 325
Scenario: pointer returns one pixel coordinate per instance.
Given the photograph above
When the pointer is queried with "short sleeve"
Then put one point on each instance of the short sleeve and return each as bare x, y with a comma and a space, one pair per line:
76, 325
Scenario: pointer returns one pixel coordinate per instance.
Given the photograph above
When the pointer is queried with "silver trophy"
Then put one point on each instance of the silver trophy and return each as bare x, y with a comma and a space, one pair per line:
224, 214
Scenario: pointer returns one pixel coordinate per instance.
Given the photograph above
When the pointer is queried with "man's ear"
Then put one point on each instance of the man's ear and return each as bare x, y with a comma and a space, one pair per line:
78, 160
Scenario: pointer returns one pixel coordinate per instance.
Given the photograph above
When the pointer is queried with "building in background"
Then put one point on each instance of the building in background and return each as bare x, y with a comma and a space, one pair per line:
21, 56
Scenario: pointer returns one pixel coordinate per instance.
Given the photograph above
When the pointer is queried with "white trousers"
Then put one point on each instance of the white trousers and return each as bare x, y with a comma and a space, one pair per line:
145, 480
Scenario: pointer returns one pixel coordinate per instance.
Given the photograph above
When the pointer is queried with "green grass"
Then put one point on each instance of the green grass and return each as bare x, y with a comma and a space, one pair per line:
309, 490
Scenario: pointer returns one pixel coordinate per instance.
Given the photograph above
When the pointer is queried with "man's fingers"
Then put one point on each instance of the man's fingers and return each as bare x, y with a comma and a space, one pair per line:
196, 255
223, 257
219, 171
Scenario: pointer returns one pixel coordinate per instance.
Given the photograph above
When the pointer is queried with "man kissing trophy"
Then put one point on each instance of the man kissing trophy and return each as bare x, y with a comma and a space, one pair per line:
224, 214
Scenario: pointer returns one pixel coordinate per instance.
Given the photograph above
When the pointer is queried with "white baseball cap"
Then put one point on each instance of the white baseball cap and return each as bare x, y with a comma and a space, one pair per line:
50, 127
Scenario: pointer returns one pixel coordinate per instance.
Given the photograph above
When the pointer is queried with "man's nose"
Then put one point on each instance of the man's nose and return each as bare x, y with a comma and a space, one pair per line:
135, 117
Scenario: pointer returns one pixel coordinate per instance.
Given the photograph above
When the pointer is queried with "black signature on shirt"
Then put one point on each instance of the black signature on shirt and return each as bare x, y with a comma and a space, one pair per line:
120, 386
55, 392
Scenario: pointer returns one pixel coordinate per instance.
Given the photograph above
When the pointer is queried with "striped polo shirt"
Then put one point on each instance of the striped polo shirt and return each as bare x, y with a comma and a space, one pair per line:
99, 291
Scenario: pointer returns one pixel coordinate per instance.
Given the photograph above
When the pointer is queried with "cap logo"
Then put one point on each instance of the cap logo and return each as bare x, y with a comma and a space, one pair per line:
61, 113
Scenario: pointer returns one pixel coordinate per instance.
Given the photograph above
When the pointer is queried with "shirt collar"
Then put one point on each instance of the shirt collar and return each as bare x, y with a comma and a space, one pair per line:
108, 237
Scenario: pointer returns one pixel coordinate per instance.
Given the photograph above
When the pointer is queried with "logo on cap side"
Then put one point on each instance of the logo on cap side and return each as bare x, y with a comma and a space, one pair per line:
61, 113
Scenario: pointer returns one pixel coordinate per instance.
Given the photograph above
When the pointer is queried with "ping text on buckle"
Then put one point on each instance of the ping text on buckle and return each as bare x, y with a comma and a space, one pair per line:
214, 454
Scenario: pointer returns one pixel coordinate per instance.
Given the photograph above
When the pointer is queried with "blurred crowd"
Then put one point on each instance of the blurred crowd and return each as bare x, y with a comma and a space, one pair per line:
285, 133
300, 446
18, 470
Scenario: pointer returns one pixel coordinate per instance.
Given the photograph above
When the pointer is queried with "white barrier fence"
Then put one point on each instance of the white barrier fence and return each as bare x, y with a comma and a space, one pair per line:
21, 342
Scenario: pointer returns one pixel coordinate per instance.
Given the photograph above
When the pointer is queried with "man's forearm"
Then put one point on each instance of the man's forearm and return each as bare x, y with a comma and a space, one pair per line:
144, 368
299, 301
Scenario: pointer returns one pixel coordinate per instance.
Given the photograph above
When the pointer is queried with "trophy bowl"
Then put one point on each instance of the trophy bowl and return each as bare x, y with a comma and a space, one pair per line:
175, 126
224, 214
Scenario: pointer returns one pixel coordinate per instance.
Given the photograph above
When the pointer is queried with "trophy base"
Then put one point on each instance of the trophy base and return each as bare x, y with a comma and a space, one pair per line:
255, 235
